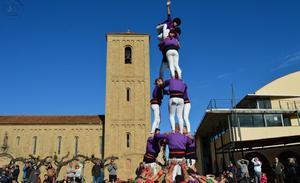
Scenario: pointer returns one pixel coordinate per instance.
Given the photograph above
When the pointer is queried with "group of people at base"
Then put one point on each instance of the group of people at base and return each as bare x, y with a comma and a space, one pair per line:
278, 173
181, 147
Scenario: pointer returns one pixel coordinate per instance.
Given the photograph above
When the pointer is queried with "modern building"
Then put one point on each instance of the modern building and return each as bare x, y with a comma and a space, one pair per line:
265, 124
122, 132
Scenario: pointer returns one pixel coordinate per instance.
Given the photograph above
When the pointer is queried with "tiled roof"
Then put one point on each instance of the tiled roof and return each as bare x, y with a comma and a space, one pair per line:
56, 120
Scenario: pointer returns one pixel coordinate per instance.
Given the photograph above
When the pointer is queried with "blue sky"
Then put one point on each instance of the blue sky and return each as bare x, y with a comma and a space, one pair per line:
52, 54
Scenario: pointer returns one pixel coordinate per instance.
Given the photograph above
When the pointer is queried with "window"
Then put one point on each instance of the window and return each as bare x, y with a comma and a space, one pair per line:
59, 144
264, 104
250, 120
34, 144
128, 140
128, 94
258, 120
128, 55
245, 120
76, 145
18, 140
286, 121
101, 145
273, 119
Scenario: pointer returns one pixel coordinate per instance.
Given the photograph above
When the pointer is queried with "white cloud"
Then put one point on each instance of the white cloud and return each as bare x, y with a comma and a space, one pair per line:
289, 60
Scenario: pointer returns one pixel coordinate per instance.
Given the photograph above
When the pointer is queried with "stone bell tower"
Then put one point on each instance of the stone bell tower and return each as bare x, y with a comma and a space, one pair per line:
127, 116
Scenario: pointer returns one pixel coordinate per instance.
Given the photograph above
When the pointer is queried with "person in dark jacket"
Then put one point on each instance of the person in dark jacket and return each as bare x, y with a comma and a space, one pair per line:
140, 170
15, 172
3, 177
278, 168
97, 172
291, 173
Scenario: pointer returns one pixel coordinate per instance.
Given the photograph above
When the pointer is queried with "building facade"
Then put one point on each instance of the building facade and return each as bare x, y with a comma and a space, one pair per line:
122, 132
265, 124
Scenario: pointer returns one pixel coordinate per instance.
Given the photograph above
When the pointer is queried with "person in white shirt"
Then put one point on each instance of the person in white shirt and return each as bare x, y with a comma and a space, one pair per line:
257, 169
78, 173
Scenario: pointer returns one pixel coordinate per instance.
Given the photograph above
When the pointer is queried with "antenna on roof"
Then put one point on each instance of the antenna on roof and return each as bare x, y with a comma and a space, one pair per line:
233, 102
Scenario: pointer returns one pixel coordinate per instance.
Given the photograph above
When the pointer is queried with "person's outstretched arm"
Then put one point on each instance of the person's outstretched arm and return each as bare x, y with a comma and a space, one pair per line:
169, 8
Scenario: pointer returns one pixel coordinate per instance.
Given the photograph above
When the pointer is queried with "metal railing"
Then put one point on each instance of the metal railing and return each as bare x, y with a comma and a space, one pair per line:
253, 104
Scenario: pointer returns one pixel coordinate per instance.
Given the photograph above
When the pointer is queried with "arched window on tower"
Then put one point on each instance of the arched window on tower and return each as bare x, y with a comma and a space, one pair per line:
127, 94
128, 55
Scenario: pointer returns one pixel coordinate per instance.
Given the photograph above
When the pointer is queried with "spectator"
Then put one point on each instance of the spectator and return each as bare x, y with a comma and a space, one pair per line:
70, 173
112, 169
291, 174
244, 172
26, 171
257, 169
78, 173
139, 169
34, 176
263, 178
15, 171
51, 174
97, 172
278, 168
231, 171
3, 177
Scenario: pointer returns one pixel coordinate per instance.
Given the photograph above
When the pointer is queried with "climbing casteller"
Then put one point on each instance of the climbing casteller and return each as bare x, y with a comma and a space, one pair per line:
157, 96
169, 48
177, 90
152, 150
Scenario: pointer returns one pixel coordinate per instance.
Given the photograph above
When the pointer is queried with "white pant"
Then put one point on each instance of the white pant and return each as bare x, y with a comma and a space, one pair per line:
177, 168
153, 167
156, 116
186, 113
173, 59
162, 31
176, 105
190, 162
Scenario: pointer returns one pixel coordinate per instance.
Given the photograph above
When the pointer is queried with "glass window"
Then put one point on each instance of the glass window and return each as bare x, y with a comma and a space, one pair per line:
249, 120
128, 55
245, 120
264, 104
273, 119
258, 120
286, 121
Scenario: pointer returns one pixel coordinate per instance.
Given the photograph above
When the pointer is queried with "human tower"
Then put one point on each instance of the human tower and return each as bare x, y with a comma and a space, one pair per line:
181, 144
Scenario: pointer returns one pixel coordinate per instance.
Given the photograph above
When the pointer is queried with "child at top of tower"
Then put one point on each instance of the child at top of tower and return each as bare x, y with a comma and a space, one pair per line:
164, 28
